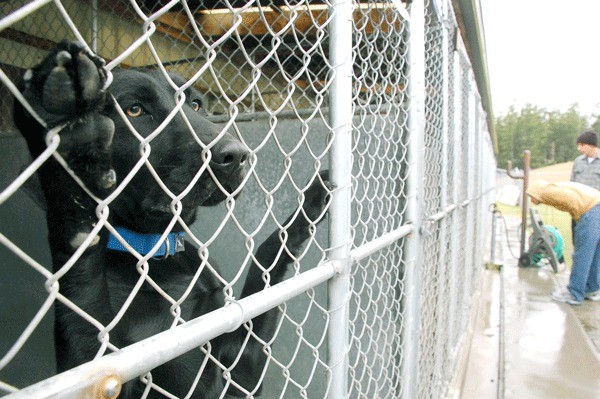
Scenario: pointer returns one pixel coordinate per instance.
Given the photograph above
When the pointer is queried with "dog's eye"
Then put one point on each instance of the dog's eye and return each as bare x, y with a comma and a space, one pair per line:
196, 105
134, 111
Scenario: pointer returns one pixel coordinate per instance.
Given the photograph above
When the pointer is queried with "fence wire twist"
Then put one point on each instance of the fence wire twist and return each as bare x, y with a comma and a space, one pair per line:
266, 75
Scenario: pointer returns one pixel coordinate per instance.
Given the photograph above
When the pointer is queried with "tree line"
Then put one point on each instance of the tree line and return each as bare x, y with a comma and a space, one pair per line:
550, 135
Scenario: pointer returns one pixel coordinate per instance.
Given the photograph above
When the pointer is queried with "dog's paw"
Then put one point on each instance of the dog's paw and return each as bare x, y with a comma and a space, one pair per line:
69, 82
67, 88
317, 197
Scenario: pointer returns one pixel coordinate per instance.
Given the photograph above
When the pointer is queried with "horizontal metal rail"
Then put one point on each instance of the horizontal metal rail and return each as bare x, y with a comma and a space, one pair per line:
442, 214
467, 202
137, 359
381, 242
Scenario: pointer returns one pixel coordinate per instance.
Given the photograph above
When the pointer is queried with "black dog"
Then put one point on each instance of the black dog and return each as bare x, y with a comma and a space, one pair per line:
99, 147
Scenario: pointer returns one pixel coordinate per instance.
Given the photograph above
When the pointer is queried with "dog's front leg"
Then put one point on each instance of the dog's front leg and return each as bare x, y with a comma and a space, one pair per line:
66, 92
274, 259
275, 254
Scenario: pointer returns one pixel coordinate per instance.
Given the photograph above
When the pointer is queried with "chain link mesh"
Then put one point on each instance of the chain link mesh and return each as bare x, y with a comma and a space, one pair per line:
432, 270
264, 73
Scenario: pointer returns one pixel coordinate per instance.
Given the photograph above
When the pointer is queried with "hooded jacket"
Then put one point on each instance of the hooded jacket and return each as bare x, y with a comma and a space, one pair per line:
572, 197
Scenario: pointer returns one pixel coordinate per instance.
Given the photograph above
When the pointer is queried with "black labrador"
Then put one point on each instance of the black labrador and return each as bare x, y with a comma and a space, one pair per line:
66, 89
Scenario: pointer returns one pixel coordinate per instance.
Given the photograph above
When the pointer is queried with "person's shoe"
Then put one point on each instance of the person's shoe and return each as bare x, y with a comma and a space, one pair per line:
565, 296
593, 296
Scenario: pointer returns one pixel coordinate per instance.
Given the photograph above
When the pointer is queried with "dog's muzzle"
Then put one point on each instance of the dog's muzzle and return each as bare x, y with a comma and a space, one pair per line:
228, 155
228, 162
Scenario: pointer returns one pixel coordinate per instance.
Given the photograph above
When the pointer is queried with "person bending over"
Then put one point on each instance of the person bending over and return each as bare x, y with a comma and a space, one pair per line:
583, 203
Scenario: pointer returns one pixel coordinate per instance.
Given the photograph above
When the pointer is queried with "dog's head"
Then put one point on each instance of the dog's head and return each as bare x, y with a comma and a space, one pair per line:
189, 154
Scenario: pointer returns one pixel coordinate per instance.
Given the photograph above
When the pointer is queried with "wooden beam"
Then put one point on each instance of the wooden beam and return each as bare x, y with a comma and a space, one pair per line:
27, 39
306, 19
260, 21
37, 42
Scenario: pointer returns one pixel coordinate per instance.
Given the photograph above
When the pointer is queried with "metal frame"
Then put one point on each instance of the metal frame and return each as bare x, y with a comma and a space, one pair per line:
341, 166
415, 195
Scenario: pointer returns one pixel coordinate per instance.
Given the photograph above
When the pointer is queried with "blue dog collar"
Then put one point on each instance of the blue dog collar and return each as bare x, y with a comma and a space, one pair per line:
143, 243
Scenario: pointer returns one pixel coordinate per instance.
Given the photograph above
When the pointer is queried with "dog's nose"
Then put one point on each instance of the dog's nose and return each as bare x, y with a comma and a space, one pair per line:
229, 152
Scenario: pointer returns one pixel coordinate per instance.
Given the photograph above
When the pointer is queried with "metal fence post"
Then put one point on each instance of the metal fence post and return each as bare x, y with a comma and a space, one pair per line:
479, 183
340, 159
525, 200
470, 165
483, 209
454, 199
444, 272
414, 210
475, 184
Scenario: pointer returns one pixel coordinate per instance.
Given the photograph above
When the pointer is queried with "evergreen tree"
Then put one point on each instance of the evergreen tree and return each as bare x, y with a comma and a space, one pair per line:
549, 135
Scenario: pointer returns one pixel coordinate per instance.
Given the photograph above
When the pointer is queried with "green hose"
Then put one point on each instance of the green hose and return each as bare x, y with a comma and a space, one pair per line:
558, 247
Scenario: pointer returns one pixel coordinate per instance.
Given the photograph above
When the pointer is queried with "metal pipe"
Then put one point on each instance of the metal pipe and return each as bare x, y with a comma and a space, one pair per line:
525, 199
416, 90
455, 267
470, 215
493, 243
378, 244
442, 214
481, 209
137, 359
340, 165
442, 244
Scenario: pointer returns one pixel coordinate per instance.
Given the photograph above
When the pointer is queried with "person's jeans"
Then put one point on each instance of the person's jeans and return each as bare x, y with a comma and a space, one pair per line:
585, 273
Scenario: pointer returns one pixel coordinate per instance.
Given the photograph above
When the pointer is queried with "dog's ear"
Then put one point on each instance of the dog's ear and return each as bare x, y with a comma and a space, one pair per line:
33, 189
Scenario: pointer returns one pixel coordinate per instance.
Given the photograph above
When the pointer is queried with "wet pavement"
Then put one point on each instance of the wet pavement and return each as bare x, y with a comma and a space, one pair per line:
589, 316
525, 345
548, 354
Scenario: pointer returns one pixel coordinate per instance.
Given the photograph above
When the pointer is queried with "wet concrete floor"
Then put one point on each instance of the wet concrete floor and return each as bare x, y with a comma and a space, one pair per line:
527, 346
547, 353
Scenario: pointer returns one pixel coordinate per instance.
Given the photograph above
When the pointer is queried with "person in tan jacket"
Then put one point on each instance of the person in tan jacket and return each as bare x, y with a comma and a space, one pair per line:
583, 203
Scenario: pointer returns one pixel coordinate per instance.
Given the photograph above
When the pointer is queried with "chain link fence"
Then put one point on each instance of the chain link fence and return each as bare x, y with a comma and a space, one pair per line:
378, 302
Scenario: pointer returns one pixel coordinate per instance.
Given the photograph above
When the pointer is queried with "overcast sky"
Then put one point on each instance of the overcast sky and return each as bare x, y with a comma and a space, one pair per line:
543, 52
